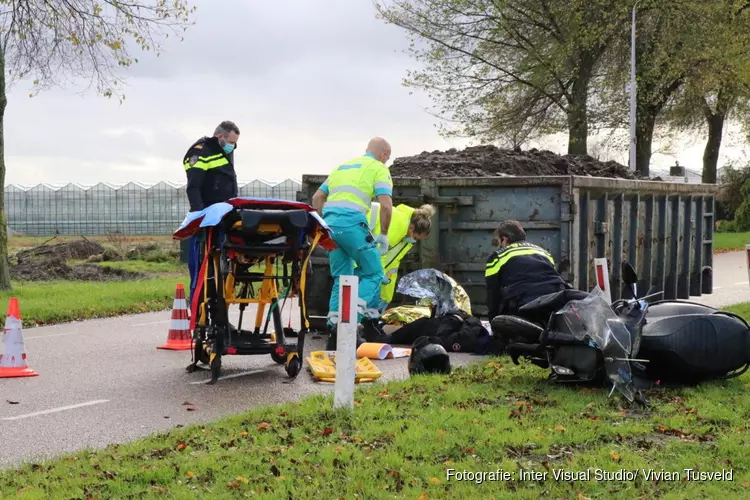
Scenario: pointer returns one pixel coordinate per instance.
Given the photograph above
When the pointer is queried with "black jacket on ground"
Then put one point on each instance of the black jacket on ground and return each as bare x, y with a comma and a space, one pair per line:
456, 331
518, 274
210, 174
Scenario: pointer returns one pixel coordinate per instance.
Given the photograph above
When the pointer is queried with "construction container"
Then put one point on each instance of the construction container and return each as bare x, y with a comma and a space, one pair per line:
665, 230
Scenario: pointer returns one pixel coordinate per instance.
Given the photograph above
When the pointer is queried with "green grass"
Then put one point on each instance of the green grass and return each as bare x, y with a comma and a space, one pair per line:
731, 241
61, 301
403, 437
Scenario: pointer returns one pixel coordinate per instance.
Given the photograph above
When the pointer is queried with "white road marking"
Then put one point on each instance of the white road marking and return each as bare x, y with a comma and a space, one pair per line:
742, 283
153, 323
55, 410
718, 287
234, 375
47, 336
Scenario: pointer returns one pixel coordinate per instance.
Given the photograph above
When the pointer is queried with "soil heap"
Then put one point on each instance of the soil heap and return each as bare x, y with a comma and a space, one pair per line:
490, 161
49, 262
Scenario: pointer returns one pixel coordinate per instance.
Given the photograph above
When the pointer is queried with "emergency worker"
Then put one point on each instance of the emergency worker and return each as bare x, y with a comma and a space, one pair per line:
209, 166
344, 200
408, 225
518, 272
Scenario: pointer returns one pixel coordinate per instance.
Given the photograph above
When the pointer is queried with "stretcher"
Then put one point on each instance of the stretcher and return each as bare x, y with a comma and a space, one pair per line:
253, 251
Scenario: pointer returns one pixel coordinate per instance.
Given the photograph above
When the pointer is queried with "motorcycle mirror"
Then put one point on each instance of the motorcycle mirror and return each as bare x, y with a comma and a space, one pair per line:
629, 276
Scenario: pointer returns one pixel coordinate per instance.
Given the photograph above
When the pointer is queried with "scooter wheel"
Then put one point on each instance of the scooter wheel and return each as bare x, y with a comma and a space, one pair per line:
279, 359
294, 367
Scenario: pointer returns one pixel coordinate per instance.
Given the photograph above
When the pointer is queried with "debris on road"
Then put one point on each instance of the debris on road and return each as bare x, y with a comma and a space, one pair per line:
490, 161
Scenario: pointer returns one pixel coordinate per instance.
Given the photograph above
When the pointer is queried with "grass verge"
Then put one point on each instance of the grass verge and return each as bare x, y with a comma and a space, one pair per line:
61, 301
727, 242
404, 436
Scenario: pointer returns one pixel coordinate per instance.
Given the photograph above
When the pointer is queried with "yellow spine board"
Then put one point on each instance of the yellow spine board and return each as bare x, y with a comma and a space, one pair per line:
323, 368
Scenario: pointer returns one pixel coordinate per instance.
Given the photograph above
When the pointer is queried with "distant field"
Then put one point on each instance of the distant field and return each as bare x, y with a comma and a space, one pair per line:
724, 242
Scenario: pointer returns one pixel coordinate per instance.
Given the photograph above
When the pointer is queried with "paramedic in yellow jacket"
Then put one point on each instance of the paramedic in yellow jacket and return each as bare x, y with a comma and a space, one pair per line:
408, 225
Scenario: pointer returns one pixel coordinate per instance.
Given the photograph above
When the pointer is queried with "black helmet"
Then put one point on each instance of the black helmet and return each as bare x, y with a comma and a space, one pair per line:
428, 356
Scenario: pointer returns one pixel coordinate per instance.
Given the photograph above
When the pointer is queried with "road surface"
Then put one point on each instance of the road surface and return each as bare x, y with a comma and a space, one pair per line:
104, 381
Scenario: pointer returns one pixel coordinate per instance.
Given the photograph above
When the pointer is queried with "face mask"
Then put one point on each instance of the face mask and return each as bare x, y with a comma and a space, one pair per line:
409, 239
228, 148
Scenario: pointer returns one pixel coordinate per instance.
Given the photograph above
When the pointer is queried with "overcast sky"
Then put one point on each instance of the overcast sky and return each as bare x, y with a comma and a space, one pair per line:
307, 82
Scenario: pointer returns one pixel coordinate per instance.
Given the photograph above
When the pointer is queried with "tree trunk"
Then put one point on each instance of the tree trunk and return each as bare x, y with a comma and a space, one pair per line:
4, 264
578, 124
644, 137
713, 144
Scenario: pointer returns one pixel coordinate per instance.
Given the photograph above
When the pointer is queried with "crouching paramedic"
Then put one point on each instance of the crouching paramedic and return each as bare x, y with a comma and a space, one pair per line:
408, 225
344, 200
518, 272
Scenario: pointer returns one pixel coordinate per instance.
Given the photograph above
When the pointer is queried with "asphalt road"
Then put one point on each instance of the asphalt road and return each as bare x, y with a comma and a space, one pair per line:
104, 381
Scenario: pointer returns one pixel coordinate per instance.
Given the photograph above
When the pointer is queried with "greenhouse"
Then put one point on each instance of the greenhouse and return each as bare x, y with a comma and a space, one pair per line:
132, 208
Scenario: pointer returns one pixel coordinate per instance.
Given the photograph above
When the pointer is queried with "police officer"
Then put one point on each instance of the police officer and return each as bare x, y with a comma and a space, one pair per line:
344, 200
209, 166
518, 272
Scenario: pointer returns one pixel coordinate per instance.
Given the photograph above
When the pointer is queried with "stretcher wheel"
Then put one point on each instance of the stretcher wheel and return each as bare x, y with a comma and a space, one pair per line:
200, 352
293, 367
279, 359
215, 369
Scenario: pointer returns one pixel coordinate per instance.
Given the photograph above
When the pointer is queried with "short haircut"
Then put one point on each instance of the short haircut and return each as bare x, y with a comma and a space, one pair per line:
225, 128
510, 229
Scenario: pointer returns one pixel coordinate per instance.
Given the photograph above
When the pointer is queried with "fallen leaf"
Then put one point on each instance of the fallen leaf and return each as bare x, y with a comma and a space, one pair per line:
190, 474
327, 431
614, 456
540, 436
159, 489
275, 471
190, 409
434, 480
233, 484
424, 496
560, 428
746, 484
263, 426
187, 403
581, 497
243, 434
494, 364
586, 390
11, 402
242, 479
283, 414
181, 446
357, 404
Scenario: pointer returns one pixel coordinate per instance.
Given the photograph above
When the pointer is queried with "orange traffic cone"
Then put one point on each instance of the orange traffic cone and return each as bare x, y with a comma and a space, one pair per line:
13, 358
179, 338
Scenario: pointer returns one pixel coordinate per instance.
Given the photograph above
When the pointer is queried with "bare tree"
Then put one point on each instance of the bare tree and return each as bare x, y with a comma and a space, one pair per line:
54, 40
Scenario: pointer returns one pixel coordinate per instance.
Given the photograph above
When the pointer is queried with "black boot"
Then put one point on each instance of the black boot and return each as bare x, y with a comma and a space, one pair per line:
371, 330
333, 335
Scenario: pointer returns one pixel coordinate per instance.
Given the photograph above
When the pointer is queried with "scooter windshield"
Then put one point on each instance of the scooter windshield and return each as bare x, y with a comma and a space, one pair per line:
592, 320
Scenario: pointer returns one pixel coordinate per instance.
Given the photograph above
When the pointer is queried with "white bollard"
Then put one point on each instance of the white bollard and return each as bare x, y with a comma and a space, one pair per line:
602, 278
346, 342
747, 252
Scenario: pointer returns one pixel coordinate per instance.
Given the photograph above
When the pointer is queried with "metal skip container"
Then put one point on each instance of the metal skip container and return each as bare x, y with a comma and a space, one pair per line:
665, 230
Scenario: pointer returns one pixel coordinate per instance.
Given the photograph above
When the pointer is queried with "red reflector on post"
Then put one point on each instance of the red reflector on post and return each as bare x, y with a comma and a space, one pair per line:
600, 277
346, 298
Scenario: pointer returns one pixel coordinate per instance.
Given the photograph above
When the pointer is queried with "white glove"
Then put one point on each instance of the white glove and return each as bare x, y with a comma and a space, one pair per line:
381, 241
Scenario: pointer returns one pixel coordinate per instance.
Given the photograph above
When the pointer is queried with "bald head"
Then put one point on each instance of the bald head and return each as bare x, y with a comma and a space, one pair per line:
379, 148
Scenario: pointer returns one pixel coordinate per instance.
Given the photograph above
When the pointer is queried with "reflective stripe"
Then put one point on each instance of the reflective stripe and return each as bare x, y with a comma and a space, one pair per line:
345, 204
374, 211
382, 185
208, 162
502, 259
391, 254
351, 190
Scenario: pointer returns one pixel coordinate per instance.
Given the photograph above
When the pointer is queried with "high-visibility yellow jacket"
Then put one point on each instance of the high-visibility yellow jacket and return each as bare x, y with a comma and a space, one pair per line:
398, 247
351, 187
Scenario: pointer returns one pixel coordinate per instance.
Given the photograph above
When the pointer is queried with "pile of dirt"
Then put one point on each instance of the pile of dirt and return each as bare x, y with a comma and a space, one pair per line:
490, 161
56, 268
78, 249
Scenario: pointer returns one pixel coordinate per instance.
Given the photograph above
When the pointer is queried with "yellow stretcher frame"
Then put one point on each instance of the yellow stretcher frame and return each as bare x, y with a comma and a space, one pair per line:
323, 367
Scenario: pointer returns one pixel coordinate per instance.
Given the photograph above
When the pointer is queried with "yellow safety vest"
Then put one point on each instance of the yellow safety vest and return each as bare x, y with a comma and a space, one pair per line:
354, 184
397, 246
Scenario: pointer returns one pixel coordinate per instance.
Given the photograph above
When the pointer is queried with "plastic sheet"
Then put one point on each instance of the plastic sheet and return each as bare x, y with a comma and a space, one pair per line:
592, 319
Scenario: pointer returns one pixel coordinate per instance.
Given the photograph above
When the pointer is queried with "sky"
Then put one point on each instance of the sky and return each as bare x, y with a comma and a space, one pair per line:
308, 84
